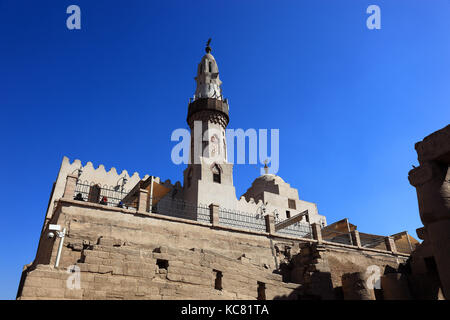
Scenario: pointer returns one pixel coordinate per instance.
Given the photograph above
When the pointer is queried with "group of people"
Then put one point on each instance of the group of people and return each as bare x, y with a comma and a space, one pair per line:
103, 200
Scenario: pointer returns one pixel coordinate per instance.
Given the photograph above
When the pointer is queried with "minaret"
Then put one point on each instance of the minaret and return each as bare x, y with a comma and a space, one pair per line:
208, 177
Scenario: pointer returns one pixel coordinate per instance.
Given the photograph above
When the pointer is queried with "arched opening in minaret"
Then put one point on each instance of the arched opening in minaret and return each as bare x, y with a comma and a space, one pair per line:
217, 175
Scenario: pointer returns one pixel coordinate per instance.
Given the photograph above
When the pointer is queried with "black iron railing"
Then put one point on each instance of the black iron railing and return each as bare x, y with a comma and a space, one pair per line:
243, 220
179, 208
298, 229
102, 194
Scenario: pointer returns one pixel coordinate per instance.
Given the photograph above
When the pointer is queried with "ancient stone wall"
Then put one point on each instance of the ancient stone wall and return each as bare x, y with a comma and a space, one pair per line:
129, 255
132, 257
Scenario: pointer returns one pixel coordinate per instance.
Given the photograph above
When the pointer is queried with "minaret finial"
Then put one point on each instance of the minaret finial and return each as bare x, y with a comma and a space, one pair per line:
266, 168
208, 48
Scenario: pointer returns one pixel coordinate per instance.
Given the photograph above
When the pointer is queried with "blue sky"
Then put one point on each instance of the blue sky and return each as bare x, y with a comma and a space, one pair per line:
349, 102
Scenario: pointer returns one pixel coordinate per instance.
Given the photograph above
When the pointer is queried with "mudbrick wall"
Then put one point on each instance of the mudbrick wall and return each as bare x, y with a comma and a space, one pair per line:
123, 255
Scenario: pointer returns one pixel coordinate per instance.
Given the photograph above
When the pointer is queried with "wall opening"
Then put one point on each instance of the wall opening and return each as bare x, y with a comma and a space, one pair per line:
291, 204
288, 214
218, 280
261, 291
162, 264
216, 173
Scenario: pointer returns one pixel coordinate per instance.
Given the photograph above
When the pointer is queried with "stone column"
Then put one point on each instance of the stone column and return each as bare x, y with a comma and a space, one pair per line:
355, 238
143, 200
316, 232
432, 182
355, 286
71, 183
395, 287
214, 214
270, 223
390, 244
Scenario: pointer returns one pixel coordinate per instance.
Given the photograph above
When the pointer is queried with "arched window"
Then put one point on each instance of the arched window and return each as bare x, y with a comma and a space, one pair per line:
217, 173
215, 147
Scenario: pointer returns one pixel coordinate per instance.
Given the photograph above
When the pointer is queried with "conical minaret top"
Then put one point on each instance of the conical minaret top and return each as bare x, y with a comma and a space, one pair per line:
208, 82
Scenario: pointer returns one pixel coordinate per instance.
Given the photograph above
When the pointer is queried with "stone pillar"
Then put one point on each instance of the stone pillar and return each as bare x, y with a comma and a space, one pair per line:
270, 223
143, 200
395, 287
214, 214
432, 182
316, 232
71, 183
390, 244
355, 238
439, 235
355, 286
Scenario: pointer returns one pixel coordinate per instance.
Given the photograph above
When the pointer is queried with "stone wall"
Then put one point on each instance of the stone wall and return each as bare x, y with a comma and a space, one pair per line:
129, 255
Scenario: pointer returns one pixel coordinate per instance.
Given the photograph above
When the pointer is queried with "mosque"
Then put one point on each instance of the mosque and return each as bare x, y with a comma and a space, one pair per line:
132, 237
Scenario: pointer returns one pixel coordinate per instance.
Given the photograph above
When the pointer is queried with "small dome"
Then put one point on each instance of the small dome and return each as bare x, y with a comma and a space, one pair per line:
270, 177
270, 183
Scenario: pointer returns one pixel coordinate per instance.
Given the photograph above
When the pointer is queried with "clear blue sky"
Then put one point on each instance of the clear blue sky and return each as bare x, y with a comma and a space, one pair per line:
349, 102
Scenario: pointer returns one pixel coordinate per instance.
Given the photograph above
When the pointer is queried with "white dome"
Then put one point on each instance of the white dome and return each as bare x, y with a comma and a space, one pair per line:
270, 177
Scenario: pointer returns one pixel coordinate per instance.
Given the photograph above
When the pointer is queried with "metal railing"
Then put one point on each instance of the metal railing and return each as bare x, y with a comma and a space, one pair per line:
178, 208
372, 241
242, 220
298, 229
338, 237
404, 247
107, 195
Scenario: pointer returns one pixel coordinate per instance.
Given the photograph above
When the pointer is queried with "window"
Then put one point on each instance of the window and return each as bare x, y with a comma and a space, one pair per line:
162, 264
216, 173
288, 214
218, 281
261, 291
291, 204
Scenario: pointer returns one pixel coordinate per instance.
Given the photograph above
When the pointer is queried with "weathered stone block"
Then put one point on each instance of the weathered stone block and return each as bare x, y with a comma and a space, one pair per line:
73, 294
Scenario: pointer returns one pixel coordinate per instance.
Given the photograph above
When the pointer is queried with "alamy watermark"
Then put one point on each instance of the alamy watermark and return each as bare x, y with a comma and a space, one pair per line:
216, 146
74, 20
374, 20
374, 279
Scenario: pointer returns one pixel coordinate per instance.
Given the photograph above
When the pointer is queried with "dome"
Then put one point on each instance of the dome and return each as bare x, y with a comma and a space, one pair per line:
270, 183
270, 177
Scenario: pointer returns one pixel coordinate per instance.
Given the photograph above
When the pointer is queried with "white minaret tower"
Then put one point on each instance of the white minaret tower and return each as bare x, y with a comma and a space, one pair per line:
209, 177
208, 82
